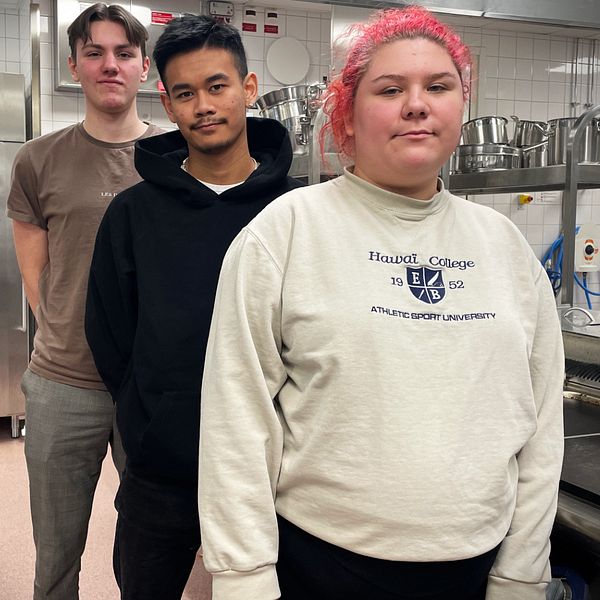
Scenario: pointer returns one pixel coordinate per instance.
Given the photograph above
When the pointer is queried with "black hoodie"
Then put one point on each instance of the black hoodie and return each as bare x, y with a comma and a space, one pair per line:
152, 285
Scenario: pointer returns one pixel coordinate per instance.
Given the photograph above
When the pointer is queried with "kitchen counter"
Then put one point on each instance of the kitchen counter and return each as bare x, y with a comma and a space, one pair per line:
581, 467
575, 538
576, 534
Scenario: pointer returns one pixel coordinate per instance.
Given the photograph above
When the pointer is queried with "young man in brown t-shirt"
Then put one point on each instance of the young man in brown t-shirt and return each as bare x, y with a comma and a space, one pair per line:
61, 186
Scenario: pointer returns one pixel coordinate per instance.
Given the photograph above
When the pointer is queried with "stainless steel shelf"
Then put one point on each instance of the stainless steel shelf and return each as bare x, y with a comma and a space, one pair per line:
489, 182
523, 180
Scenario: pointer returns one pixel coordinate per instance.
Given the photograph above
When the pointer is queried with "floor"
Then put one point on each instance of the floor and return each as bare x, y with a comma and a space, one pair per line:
17, 554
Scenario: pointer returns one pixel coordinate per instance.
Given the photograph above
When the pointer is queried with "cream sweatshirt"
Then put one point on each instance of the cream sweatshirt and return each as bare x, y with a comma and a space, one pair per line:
385, 373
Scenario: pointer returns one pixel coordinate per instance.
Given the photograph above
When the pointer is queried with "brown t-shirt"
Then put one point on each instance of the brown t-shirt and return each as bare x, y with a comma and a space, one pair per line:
63, 182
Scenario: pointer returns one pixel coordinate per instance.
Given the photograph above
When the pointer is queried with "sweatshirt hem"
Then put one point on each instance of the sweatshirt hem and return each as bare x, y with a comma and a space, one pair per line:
507, 589
259, 584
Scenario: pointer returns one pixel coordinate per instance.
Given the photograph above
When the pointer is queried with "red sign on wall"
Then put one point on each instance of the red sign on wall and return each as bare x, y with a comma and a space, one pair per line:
161, 18
249, 27
271, 28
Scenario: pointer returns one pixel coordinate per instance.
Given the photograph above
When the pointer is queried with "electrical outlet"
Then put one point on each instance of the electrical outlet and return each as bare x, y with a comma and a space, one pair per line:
587, 246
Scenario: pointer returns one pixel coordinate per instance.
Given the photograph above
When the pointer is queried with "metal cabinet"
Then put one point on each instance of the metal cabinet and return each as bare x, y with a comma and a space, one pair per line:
13, 306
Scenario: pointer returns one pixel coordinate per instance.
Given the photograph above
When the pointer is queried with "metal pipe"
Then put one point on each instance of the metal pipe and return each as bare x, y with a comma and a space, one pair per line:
593, 85
580, 516
314, 148
575, 71
569, 205
591, 75
35, 127
36, 111
445, 173
590, 69
15, 426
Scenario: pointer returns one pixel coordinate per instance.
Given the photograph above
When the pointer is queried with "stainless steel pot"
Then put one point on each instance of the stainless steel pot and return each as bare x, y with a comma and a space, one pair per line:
471, 158
485, 130
294, 107
282, 104
288, 106
528, 133
535, 156
589, 148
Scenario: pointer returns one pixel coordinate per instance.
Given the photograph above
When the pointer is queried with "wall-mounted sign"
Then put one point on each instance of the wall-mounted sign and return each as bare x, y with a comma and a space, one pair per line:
271, 21
161, 18
249, 20
220, 9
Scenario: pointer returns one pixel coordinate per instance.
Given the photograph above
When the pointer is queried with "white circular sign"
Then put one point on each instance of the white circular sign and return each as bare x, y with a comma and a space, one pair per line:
288, 60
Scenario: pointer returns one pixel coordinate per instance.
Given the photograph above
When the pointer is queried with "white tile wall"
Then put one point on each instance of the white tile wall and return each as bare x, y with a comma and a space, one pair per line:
312, 29
63, 108
524, 74
15, 51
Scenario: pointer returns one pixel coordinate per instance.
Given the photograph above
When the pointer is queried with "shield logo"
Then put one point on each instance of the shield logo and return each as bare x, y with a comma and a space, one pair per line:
426, 284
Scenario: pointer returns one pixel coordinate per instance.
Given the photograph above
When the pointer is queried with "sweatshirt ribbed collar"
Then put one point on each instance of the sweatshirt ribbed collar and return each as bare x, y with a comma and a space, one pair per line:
403, 207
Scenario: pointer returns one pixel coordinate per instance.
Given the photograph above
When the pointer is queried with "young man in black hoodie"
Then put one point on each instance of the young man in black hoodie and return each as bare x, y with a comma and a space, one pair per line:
152, 284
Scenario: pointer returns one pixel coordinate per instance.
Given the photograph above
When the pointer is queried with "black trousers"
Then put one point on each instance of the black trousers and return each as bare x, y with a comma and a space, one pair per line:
157, 538
309, 568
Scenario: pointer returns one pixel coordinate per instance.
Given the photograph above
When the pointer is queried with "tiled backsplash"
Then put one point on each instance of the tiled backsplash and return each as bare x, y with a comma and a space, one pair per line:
520, 73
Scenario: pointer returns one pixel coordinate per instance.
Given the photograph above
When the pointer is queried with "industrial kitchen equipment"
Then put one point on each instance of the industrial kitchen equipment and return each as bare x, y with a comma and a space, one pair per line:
296, 108
14, 354
577, 526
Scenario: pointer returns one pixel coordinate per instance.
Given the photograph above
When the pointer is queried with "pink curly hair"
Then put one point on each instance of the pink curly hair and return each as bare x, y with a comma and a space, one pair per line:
385, 26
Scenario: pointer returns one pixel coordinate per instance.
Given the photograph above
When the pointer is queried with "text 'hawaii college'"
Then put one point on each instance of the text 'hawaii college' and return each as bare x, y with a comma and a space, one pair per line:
413, 259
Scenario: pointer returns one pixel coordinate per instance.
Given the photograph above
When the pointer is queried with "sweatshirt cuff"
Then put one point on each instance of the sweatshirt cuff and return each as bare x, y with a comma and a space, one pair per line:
507, 589
260, 584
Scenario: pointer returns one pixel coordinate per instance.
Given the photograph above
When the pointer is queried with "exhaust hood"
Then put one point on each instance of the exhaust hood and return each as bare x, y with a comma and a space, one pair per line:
575, 13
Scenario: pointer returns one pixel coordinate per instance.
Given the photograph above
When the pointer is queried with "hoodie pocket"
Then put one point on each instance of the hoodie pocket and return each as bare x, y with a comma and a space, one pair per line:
170, 442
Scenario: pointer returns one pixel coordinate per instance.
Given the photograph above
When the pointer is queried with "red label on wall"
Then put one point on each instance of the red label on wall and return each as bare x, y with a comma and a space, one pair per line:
271, 28
161, 18
249, 27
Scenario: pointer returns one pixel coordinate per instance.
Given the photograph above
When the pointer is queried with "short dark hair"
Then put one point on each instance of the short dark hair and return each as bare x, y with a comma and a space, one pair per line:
79, 29
194, 32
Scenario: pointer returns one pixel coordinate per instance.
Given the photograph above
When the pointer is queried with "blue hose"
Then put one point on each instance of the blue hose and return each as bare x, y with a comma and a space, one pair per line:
552, 263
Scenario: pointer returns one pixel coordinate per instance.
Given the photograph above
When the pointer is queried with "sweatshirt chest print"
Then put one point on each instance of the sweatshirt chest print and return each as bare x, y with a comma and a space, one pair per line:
429, 280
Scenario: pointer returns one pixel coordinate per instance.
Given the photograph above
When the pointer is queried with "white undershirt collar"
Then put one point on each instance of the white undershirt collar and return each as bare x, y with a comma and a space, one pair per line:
216, 187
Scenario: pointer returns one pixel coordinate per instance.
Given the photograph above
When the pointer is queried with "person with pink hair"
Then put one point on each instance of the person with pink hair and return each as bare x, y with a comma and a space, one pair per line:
382, 393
